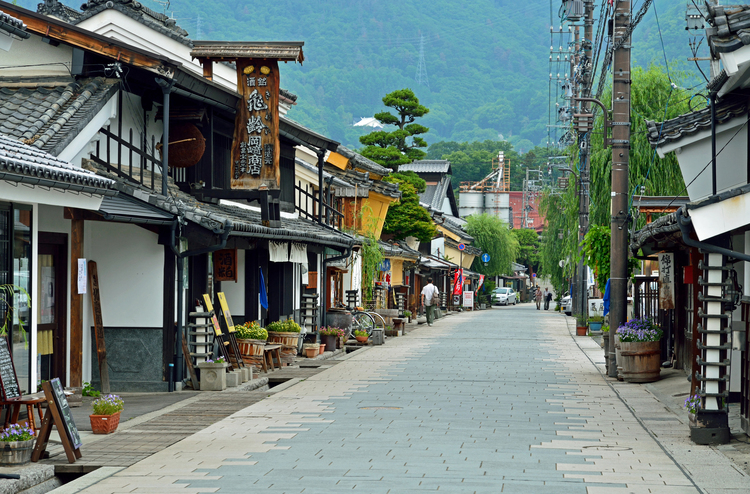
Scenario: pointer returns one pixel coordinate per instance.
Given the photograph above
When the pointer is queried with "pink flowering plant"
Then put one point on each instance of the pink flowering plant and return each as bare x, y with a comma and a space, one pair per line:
17, 432
330, 331
108, 405
639, 330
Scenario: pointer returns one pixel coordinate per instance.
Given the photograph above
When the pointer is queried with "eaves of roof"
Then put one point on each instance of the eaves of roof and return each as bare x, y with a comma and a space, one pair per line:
12, 26
337, 182
663, 229
660, 133
298, 132
246, 222
22, 163
232, 50
730, 29
356, 160
427, 166
391, 250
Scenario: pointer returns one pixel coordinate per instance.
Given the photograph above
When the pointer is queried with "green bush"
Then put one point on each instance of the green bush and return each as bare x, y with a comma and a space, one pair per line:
251, 330
288, 326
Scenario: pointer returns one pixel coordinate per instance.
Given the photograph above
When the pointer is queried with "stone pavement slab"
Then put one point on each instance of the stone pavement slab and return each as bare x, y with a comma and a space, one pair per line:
503, 400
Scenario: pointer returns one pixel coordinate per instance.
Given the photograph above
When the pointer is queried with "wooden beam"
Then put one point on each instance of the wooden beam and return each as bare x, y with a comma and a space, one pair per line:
50, 28
208, 68
76, 300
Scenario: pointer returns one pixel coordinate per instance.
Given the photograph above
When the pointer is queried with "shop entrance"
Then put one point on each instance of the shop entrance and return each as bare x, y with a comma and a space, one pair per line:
52, 294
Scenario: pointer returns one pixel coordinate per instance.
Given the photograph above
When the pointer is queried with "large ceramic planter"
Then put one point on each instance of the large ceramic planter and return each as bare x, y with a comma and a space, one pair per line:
14, 453
213, 376
288, 342
252, 352
595, 326
641, 361
104, 424
329, 341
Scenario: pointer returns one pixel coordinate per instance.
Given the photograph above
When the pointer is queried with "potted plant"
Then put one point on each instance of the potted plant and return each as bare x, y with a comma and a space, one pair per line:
106, 416
361, 336
692, 405
17, 443
640, 353
285, 333
581, 328
251, 339
311, 349
596, 323
329, 335
407, 315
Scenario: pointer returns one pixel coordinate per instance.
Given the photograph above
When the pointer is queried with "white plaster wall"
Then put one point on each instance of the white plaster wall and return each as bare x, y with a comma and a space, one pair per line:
33, 57
235, 292
130, 265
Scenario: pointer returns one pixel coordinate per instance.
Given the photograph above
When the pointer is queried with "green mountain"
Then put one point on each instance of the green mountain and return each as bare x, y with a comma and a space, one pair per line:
487, 61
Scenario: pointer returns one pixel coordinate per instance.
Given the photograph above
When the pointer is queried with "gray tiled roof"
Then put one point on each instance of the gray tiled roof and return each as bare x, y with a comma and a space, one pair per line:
213, 217
427, 166
662, 230
22, 163
11, 23
135, 10
59, 10
358, 161
281, 50
337, 182
363, 181
50, 115
690, 123
730, 29
395, 249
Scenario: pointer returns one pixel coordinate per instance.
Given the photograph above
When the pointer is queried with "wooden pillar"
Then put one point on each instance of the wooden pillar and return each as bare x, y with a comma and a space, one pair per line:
76, 301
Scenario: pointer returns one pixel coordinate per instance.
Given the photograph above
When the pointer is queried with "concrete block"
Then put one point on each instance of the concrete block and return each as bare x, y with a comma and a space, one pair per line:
233, 378
247, 374
213, 376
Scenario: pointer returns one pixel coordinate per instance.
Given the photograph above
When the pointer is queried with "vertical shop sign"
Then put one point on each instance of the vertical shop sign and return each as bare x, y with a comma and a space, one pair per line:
666, 280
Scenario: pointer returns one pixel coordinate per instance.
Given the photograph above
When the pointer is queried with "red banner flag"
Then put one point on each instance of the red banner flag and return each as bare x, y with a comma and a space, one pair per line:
458, 282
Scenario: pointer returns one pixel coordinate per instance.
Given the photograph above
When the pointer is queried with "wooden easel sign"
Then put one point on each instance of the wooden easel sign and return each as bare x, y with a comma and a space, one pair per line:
230, 327
219, 335
57, 414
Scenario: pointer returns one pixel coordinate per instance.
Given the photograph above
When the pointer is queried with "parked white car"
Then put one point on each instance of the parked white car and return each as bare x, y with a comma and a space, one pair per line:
566, 304
504, 296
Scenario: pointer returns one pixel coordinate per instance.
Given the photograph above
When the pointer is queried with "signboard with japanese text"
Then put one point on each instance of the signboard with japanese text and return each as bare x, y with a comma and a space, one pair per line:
225, 265
666, 280
255, 147
469, 299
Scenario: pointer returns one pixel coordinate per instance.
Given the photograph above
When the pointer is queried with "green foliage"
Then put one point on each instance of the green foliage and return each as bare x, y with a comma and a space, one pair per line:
89, 390
372, 255
596, 247
400, 146
528, 248
17, 432
406, 217
251, 330
492, 236
10, 299
288, 326
358, 332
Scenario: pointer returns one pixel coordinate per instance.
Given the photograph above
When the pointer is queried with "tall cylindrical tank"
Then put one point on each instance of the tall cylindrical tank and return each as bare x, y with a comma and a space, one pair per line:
470, 203
498, 204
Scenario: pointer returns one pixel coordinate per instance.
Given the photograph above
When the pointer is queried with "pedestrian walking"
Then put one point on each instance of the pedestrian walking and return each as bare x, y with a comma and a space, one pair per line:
429, 300
538, 297
547, 298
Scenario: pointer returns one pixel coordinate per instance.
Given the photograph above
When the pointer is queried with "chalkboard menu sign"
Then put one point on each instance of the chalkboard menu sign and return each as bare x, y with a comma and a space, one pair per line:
64, 408
8, 378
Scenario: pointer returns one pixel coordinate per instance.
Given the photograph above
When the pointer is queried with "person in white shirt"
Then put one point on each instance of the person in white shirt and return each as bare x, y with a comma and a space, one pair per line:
429, 300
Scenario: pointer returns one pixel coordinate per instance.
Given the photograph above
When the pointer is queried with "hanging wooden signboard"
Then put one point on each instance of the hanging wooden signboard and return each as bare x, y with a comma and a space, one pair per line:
225, 265
255, 144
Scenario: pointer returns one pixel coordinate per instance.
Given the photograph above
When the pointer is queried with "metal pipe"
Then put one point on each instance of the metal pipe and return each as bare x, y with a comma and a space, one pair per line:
712, 98
321, 161
166, 89
24, 179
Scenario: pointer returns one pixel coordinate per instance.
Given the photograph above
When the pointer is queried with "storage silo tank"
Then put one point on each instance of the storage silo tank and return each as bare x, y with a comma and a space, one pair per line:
498, 204
470, 203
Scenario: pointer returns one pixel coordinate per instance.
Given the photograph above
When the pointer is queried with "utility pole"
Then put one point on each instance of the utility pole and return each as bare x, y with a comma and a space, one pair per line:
620, 155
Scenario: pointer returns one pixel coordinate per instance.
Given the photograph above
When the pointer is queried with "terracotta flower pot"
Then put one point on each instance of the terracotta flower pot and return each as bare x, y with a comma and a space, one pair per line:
104, 424
322, 348
311, 352
362, 339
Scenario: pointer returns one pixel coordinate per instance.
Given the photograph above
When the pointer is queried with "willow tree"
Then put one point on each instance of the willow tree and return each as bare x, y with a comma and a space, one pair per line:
493, 236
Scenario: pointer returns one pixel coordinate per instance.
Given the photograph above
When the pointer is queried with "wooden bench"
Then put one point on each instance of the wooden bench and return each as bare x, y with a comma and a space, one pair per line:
269, 351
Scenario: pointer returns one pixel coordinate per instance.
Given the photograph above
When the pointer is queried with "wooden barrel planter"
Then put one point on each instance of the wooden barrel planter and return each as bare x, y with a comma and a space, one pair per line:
288, 342
252, 352
641, 361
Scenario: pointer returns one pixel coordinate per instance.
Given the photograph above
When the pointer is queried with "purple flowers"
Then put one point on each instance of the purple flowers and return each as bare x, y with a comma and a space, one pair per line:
108, 405
693, 403
16, 432
640, 330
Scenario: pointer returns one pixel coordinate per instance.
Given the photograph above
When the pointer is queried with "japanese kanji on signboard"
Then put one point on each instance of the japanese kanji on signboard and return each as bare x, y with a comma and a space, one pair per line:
255, 148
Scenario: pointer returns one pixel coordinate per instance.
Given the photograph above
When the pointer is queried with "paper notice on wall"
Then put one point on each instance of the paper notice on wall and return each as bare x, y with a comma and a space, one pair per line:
82, 276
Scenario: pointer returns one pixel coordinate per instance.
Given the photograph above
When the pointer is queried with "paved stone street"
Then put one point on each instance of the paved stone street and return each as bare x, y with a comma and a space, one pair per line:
503, 400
